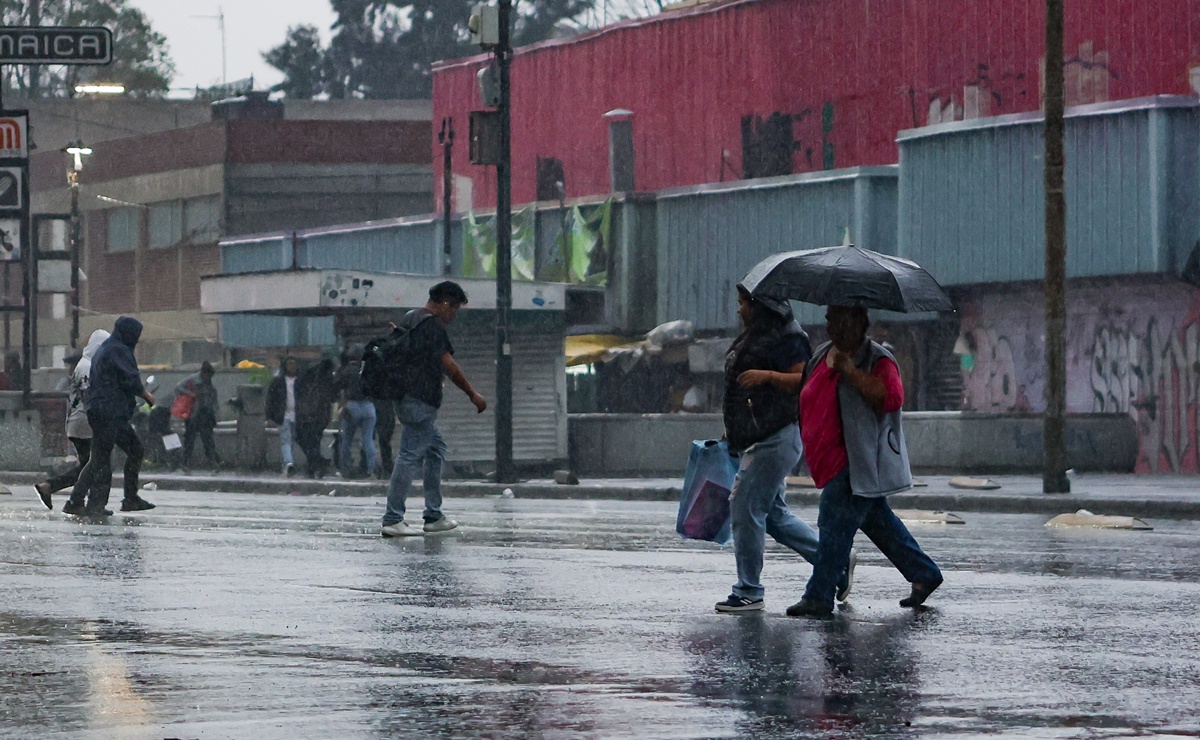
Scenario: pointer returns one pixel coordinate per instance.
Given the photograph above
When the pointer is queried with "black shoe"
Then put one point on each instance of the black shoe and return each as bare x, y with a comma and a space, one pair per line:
807, 607
43, 492
136, 503
739, 604
920, 592
847, 582
74, 509
96, 513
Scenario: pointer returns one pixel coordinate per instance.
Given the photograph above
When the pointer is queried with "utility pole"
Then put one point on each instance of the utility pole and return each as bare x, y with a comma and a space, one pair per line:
505, 472
1054, 472
446, 139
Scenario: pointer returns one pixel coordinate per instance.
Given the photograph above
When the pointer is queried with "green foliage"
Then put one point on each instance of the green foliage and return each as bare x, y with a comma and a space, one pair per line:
385, 49
140, 59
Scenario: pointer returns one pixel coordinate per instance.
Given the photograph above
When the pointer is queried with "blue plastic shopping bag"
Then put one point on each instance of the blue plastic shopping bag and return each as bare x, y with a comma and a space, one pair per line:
704, 502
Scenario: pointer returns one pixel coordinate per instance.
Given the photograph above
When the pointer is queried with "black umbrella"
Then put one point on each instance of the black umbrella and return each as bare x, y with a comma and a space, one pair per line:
847, 276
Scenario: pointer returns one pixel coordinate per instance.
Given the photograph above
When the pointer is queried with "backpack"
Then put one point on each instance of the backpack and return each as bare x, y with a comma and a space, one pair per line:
385, 361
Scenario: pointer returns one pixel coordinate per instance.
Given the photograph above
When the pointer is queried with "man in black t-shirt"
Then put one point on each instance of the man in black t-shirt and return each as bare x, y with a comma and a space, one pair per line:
421, 445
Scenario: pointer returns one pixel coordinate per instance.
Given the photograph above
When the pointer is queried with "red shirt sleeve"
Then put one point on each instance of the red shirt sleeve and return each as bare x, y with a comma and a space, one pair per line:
889, 374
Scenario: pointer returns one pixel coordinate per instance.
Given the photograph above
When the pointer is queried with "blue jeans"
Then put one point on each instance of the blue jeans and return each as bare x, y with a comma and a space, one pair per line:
421, 444
287, 431
841, 515
359, 416
757, 508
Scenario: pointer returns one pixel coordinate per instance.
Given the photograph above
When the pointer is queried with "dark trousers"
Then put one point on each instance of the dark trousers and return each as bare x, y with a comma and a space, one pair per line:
96, 476
200, 425
67, 479
308, 436
840, 516
385, 428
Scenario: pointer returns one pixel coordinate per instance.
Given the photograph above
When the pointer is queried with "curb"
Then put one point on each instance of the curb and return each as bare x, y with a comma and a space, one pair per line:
978, 502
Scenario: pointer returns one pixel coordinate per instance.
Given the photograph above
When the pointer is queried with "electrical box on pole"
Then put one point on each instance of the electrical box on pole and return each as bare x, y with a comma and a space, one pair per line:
484, 137
484, 25
489, 86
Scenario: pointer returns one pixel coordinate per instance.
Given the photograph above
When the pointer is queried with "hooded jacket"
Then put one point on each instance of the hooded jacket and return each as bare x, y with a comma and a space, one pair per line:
115, 380
77, 424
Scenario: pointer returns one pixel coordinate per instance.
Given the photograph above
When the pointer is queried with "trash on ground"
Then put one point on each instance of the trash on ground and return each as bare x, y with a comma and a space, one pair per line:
1085, 518
920, 483
918, 516
974, 484
151, 486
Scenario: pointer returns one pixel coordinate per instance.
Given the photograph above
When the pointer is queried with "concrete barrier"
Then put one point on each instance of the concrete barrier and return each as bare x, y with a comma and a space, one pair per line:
20, 434
648, 445
948, 442
955, 441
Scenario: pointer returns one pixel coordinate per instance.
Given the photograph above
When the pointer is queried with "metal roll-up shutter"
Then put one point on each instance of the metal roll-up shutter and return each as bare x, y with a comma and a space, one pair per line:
539, 388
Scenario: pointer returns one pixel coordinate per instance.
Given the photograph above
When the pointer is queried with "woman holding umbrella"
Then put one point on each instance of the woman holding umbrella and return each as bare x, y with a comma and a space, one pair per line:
850, 407
763, 370
850, 421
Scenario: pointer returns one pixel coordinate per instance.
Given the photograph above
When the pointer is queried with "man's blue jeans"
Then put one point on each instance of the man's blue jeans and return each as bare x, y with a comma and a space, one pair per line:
758, 508
358, 417
841, 515
287, 433
421, 447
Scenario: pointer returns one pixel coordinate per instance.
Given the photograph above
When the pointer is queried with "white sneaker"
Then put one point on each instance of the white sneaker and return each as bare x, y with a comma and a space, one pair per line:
445, 524
400, 529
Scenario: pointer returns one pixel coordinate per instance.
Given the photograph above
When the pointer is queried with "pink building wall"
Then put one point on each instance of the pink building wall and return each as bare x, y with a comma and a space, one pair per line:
1132, 347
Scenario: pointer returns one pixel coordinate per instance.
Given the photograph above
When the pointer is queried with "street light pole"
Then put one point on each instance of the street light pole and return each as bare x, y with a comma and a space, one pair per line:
1054, 472
446, 139
77, 151
505, 472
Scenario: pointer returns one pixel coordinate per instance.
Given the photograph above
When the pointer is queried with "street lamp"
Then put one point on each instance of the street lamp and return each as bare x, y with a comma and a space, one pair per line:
77, 151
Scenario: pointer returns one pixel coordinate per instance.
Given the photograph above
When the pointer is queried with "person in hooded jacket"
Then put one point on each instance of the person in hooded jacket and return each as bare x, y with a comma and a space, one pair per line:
78, 430
315, 395
115, 384
763, 370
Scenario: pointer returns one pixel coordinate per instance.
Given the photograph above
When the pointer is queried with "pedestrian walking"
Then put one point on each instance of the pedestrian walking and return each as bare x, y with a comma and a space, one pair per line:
315, 397
201, 419
850, 421
357, 414
114, 384
281, 410
430, 357
763, 370
78, 432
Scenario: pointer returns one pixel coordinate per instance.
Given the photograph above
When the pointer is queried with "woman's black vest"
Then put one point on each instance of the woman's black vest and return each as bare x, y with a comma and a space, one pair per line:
753, 414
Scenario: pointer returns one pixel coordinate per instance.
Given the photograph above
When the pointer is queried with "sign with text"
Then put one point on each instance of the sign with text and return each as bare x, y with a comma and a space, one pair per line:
55, 45
14, 136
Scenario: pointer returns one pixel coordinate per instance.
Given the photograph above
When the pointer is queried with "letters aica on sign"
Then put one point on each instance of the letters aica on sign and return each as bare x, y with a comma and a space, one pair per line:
25, 45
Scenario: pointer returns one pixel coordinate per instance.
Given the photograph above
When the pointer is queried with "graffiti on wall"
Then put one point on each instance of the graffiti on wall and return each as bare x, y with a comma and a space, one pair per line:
1151, 370
997, 379
1134, 351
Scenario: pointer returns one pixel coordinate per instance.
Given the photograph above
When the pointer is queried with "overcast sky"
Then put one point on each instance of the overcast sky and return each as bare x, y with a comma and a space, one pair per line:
251, 27
254, 26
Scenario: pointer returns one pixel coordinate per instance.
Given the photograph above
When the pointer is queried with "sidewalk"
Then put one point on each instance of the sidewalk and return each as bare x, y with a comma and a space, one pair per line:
1146, 496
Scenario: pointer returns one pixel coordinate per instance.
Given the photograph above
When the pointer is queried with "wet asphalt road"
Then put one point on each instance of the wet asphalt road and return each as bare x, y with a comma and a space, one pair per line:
244, 616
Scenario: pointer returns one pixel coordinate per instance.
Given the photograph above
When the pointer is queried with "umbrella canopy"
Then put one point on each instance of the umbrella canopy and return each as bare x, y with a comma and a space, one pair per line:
847, 276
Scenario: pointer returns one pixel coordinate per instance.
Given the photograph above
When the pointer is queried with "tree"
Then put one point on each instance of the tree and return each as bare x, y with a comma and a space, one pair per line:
303, 57
386, 48
140, 59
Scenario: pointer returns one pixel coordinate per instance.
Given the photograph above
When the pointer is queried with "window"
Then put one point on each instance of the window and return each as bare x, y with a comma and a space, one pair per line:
166, 224
123, 229
202, 219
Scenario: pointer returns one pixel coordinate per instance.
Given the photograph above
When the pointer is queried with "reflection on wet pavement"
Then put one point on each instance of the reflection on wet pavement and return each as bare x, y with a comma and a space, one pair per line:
234, 615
